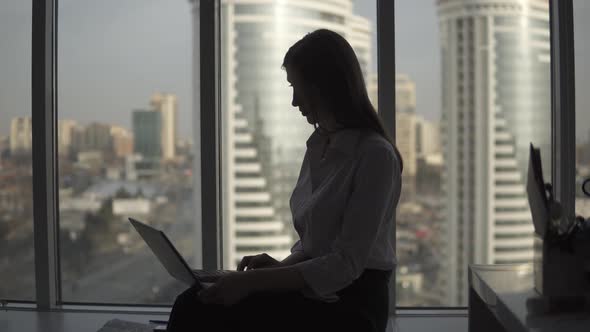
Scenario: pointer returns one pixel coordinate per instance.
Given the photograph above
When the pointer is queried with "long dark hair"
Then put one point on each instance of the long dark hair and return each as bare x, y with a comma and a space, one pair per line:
327, 60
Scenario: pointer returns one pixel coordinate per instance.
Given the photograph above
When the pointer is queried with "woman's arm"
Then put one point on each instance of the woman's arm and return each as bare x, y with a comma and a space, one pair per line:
283, 277
232, 288
294, 258
286, 278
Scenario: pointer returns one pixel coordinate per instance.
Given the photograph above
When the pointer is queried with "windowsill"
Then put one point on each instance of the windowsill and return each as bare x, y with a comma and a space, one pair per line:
165, 310
71, 319
75, 319
432, 312
81, 308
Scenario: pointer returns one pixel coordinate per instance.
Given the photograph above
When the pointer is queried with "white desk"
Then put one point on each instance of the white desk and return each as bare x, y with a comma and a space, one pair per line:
497, 302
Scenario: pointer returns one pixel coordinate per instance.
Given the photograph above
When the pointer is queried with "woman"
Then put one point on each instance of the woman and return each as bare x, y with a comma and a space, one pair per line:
343, 204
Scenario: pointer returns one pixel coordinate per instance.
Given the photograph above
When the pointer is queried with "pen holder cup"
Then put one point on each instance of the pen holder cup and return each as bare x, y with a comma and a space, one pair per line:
558, 271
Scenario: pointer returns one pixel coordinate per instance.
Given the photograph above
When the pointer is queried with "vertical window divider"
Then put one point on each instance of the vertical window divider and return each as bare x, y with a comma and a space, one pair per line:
386, 91
209, 14
563, 98
44, 123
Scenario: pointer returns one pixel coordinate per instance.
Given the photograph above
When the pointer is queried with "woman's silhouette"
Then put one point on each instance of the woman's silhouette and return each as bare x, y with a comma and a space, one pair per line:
336, 277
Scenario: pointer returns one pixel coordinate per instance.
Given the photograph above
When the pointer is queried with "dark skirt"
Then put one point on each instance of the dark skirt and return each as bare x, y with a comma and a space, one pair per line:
363, 306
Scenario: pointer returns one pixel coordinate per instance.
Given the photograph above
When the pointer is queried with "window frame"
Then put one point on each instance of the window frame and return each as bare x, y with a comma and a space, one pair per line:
386, 99
44, 137
563, 105
44, 120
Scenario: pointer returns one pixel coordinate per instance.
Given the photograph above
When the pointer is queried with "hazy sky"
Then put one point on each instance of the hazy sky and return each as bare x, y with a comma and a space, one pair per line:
114, 53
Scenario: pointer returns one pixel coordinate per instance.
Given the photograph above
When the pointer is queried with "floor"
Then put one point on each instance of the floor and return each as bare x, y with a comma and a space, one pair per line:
32, 321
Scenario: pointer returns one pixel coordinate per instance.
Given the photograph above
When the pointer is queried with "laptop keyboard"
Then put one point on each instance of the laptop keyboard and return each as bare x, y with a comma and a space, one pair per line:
211, 275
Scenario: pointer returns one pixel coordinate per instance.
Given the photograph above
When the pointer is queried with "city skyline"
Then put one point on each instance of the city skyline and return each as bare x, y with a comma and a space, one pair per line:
173, 70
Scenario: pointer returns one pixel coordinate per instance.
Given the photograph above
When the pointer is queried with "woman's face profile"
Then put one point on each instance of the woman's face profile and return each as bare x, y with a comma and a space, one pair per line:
300, 98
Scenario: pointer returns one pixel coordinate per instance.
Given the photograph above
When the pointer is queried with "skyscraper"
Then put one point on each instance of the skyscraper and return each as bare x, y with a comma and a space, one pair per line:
65, 136
427, 137
122, 141
496, 100
92, 137
165, 103
21, 139
253, 220
147, 128
405, 94
254, 39
405, 141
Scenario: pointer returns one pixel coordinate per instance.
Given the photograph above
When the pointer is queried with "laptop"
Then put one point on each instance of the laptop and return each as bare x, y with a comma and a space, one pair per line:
536, 192
172, 260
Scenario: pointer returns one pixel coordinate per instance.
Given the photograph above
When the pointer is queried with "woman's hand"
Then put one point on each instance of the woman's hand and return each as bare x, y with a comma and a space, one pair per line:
257, 262
229, 289
234, 287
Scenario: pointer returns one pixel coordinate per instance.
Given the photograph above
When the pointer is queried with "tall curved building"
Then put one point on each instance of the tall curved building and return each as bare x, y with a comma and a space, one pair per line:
255, 35
253, 226
496, 89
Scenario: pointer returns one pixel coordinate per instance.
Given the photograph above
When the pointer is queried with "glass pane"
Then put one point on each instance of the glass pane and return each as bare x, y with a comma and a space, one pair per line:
582, 63
126, 127
264, 137
471, 96
17, 261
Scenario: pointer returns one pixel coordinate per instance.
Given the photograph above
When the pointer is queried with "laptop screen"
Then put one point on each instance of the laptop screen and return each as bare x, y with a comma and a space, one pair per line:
165, 252
536, 192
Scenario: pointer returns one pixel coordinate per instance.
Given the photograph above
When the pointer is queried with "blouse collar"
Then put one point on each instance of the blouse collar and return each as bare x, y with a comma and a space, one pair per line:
343, 140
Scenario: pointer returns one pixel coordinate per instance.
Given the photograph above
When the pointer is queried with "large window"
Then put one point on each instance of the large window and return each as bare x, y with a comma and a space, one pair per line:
472, 85
17, 261
471, 96
582, 63
263, 135
125, 134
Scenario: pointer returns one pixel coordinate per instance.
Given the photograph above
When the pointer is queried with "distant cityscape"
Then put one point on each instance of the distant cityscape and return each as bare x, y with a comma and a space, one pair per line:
463, 199
108, 173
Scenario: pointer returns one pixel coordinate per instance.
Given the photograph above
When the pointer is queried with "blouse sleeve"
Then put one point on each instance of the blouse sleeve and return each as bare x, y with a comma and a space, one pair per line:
375, 184
297, 247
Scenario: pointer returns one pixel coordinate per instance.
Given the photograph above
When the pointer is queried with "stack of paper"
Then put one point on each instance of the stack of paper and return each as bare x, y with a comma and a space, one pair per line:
118, 325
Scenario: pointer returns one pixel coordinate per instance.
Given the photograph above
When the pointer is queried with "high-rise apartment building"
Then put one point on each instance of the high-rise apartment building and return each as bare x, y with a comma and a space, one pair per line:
4, 146
406, 143
92, 137
405, 94
21, 139
147, 129
65, 136
166, 104
496, 100
254, 39
122, 141
427, 137
253, 222
405, 140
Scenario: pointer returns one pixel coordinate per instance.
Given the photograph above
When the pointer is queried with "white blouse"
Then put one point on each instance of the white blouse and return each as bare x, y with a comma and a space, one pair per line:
343, 207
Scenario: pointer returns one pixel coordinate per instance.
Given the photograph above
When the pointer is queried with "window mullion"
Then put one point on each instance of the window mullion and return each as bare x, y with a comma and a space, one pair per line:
210, 133
386, 87
44, 157
563, 104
